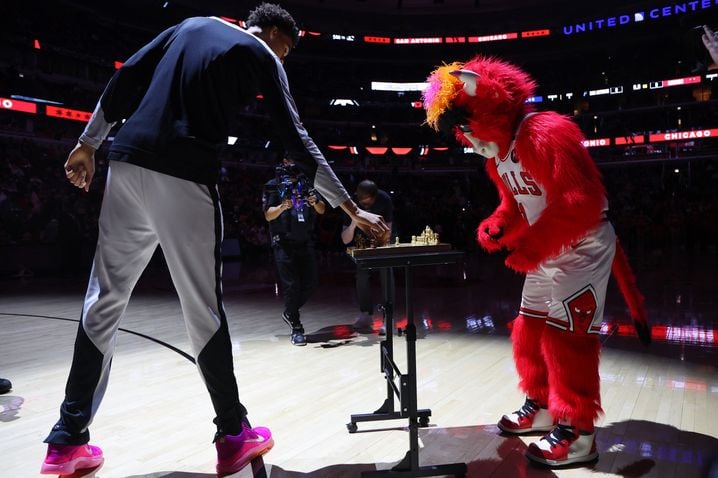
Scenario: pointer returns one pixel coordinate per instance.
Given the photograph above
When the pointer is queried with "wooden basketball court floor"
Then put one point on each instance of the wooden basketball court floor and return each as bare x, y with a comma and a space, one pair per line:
661, 402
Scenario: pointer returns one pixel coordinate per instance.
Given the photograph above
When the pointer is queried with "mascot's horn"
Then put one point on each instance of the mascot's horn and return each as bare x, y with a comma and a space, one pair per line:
469, 78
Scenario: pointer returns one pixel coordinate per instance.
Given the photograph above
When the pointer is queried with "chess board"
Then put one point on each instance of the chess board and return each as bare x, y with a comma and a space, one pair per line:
397, 249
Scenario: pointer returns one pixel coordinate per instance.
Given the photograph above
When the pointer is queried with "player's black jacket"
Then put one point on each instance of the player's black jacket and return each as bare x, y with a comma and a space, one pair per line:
179, 94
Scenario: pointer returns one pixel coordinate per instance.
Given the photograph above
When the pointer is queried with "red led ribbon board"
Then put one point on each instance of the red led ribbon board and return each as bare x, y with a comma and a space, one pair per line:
16, 105
67, 113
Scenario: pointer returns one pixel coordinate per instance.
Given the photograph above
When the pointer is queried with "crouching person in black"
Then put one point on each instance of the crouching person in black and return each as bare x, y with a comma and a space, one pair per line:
290, 206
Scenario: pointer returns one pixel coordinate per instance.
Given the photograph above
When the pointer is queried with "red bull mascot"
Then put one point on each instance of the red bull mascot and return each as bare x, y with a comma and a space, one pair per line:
552, 220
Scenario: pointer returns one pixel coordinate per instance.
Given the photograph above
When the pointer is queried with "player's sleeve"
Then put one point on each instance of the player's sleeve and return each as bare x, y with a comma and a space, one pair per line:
298, 144
125, 89
97, 128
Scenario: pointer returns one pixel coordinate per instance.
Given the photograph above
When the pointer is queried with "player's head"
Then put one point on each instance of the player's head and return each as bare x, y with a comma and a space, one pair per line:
275, 26
366, 193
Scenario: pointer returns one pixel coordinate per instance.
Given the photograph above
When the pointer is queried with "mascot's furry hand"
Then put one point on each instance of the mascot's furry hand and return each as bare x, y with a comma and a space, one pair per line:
524, 259
489, 234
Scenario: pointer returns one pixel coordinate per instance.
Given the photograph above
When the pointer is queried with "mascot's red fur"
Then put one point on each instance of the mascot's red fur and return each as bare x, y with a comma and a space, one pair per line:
552, 221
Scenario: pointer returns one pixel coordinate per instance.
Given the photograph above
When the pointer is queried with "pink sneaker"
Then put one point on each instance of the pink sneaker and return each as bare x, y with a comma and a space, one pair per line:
67, 459
234, 452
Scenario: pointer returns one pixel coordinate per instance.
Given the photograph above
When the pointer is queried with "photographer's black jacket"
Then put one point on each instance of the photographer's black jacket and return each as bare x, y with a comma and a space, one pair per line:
179, 94
287, 226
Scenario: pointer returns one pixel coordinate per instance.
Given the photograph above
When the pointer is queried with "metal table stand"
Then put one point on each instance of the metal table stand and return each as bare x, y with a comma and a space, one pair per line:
406, 390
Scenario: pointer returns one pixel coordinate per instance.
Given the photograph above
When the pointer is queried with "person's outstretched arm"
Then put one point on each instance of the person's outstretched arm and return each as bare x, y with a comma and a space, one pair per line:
305, 153
120, 98
710, 40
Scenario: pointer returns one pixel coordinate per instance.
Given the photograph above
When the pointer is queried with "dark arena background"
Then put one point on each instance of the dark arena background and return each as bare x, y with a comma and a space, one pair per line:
633, 75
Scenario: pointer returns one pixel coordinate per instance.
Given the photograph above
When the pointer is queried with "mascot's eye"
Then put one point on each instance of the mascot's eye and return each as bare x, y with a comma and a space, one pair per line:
464, 128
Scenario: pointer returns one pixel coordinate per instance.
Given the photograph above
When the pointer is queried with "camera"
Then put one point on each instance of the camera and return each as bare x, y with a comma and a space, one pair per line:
287, 170
293, 184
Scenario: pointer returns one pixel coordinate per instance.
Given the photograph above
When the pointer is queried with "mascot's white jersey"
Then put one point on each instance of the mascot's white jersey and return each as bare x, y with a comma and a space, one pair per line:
528, 193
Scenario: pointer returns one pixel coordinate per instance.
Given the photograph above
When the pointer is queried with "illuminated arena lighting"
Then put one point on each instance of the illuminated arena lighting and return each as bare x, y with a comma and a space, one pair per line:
693, 335
685, 135
620, 19
629, 140
623, 19
343, 102
17, 105
590, 143
67, 113
396, 86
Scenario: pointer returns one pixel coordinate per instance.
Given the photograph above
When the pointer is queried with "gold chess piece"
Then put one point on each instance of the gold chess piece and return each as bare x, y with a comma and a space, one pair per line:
427, 237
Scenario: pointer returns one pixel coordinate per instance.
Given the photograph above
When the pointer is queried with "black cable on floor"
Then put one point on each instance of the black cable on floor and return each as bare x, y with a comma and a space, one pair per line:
157, 341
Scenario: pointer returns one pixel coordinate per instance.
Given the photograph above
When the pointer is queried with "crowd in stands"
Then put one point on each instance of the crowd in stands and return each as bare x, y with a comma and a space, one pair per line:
39, 59
659, 206
658, 209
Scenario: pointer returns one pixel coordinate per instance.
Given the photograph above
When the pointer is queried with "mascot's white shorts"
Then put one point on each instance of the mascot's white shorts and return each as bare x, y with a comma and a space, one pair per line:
569, 291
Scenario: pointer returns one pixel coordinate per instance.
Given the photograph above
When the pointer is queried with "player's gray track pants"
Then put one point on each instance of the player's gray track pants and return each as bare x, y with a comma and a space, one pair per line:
141, 209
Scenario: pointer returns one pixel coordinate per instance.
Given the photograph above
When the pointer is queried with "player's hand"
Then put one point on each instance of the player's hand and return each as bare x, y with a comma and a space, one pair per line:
383, 239
80, 166
286, 204
379, 238
710, 40
371, 224
312, 200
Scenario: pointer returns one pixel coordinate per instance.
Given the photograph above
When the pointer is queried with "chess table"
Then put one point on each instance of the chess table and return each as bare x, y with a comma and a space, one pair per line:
407, 257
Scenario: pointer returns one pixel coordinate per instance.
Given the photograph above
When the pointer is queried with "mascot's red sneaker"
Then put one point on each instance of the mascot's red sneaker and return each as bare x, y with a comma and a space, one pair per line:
531, 417
563, 446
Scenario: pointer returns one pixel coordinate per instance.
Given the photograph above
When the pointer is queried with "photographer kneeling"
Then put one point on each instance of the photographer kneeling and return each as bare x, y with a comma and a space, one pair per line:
290, 206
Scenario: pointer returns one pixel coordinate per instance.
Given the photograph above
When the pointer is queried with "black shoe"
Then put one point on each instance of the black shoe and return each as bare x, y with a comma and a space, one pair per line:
364, 323
5, 386
287, 320
298, 337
